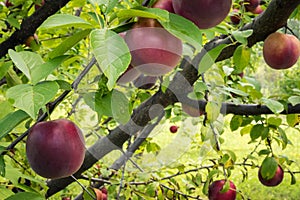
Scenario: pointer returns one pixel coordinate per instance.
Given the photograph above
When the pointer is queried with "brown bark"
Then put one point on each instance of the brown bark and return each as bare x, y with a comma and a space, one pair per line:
30, 24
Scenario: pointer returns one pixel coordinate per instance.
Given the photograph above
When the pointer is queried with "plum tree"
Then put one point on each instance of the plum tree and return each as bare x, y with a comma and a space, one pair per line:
215, 193
159, 52
62, 79
204, 13
165, 5
55, 148
271, 181
281, 51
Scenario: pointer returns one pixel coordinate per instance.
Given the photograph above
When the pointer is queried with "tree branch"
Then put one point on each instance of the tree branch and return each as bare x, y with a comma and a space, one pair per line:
274, 17
30, 24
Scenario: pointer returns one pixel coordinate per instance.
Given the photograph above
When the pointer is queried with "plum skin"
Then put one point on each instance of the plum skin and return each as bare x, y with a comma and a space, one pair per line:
154, 50
165, 5
55, 149
281, 51
275, 180
215, 188
204, 13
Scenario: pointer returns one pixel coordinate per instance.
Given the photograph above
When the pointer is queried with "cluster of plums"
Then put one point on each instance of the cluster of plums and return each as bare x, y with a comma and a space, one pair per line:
252, 6
154, 50
215, 189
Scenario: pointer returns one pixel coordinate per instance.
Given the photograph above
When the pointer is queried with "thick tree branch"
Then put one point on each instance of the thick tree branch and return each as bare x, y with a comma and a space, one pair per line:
274, 17
30, 24
242, 109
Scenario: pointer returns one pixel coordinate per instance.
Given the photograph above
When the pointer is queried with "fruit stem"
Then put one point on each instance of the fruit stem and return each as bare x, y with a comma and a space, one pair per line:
287, 28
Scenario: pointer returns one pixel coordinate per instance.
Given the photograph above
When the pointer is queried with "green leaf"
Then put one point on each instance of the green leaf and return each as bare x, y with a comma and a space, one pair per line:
87, 195
65, 21
210, 176
13, 21
12, 78
241, 36
20, 62
256, 131
268, 168
26, 196
236, 91
114, 104
209, 58
213, 110
42, 71
2, 163
5, 108
232, 155
121, 108
4, 67
274, 121
5, 192
236, 122
64, 85
112, 54
25, 61
224, 159
69, 43
265, 133
264, 152
99, 103
225, 187
32, 98
153, 13
10, 121
293, 178
246, 129
283, 137
292, 119
109, 4
275, 106
241, 58
246, 120
13, 174
183, 29
294, 100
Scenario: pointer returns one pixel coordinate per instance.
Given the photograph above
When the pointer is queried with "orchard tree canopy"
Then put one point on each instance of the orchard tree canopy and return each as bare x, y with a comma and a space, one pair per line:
172, 99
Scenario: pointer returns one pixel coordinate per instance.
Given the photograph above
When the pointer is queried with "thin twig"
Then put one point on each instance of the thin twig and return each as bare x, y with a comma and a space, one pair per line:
121, 181
84, 188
